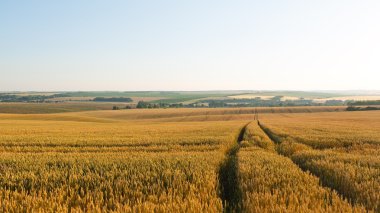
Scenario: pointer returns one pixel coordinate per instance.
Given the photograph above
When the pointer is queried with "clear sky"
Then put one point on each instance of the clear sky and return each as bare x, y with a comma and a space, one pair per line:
189, 45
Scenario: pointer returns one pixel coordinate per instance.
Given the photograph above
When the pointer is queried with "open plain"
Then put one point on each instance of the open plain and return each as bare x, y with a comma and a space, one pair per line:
300, 159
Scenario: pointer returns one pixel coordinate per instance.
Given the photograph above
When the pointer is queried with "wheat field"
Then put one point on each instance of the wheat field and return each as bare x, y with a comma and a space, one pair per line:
301, 159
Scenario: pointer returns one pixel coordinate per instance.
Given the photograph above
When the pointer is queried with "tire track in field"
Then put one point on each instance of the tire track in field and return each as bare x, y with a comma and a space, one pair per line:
230, 191
278, 140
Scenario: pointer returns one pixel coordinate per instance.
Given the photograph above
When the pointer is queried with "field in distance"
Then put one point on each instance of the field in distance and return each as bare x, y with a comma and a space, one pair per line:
77, 101
298, 159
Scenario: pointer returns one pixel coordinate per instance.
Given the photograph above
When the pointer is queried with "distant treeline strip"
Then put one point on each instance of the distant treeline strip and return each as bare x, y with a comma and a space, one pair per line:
28, 98
364, 103
368, 108
113, 99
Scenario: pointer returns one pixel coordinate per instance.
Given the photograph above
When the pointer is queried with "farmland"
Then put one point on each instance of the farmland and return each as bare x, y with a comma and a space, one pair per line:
296, 159
80, 101
342, 150
189, 106
46, 108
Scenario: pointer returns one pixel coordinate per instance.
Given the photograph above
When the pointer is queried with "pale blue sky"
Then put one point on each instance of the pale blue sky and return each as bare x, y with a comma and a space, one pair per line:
189, 45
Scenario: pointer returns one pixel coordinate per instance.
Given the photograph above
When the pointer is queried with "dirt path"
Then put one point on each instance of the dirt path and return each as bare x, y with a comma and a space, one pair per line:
278, 140
228, 177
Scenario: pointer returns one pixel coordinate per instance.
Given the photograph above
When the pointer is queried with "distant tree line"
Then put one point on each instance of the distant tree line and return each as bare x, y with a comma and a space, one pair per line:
278, 102
368, 108
45, 98
113, 99
257, 102
364, 103
28, 98
118, 107
147, 105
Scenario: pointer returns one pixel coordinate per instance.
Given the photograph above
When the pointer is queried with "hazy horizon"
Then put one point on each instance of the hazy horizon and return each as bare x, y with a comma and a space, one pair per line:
189, 46
342, 92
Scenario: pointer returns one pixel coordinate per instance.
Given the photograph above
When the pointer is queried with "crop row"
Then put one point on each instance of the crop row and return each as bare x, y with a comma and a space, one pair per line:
351, 168
172, 182
271, 182
328, 130
58, 136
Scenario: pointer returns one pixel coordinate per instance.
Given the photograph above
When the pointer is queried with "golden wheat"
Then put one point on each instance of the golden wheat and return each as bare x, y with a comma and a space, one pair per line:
171, 160
349, 160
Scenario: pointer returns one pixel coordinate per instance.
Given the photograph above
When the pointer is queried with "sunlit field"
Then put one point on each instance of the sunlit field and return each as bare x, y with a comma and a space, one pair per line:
99, 162
342, 149
300, 159
189, 106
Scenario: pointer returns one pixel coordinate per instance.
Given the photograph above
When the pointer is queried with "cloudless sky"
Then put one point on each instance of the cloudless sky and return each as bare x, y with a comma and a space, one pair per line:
189, 45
